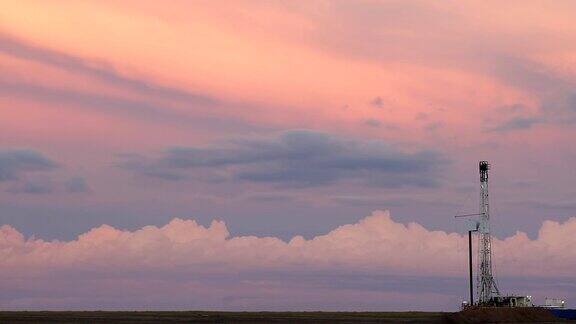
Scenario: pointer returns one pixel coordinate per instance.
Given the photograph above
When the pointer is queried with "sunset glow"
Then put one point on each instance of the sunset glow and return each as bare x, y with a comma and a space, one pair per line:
273, 155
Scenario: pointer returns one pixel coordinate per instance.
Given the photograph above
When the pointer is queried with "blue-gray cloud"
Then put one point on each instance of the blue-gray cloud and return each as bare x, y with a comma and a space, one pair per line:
16, 162
556, 93
298, 158
76, 185
373, 122
35, 187
377, 102
517, 123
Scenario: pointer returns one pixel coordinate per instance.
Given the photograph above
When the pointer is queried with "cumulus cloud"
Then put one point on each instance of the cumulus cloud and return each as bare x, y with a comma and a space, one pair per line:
373, 256
296, 158
16, 162
375, 242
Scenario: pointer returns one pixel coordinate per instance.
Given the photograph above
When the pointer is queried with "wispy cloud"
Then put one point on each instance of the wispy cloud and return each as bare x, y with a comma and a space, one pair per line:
96, 69
517, 123
122, 106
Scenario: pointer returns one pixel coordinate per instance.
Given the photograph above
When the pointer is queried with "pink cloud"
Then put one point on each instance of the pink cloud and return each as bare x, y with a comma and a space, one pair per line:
205, 260
376, 242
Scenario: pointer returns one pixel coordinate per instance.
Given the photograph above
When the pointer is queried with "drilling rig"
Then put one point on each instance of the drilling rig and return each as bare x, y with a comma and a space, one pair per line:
487, 292
486, 287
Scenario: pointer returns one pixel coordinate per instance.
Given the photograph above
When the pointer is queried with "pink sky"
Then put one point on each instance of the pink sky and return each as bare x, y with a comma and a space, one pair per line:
282, 119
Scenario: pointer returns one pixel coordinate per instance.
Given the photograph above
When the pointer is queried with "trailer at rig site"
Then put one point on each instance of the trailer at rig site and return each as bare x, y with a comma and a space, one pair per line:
554, 303
512, 301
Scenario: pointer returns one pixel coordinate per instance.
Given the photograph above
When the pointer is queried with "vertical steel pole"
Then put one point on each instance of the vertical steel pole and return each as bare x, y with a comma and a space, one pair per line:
470, 267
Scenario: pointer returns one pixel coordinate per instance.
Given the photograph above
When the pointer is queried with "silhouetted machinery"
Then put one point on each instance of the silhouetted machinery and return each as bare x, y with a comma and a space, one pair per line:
487, 293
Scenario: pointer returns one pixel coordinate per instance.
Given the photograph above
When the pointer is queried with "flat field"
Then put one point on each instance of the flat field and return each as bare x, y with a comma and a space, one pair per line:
471, 316
221, 317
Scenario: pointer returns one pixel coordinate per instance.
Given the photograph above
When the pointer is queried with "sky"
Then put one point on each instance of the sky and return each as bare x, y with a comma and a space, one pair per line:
282, 155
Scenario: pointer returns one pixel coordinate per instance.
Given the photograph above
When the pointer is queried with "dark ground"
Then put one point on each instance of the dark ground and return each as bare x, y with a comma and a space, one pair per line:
471, 316
221, 317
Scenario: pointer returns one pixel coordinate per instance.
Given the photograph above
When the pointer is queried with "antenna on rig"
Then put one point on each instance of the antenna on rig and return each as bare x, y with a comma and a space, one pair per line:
486, 285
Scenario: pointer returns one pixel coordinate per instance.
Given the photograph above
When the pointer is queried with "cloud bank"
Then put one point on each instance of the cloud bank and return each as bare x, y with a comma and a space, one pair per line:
297, 158
373, 256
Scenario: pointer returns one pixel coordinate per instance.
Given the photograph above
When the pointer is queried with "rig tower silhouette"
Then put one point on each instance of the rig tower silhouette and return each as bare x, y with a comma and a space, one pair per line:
486, 285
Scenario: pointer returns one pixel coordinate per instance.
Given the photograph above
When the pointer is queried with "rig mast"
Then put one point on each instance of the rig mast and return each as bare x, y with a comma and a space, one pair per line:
486, 285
